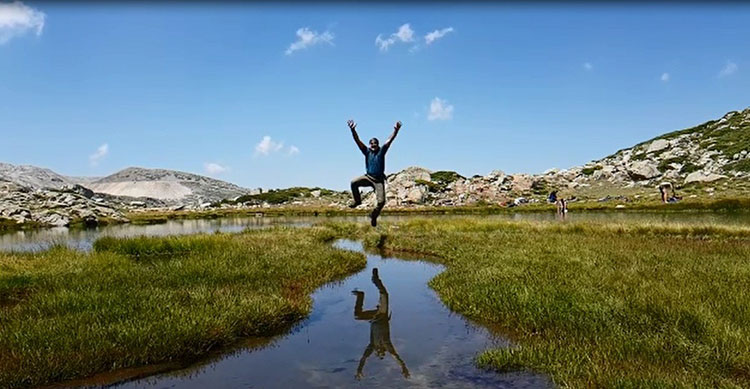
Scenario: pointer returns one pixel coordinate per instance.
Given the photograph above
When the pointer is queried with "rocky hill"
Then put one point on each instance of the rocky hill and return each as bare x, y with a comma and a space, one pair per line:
32, 176
711, 151
167, 185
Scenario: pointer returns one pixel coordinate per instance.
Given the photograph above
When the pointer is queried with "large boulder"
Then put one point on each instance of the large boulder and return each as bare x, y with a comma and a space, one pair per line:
657, 145
701, 176
642, 170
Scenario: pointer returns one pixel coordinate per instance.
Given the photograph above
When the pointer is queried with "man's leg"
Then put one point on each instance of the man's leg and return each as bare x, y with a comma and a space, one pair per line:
380, 195
356, 184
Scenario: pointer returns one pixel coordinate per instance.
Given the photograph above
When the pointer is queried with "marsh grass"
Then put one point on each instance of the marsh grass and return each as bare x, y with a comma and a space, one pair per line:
65, 314
597, 304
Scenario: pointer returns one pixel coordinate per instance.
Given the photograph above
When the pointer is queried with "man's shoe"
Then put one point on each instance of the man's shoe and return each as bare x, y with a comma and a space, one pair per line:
354, 205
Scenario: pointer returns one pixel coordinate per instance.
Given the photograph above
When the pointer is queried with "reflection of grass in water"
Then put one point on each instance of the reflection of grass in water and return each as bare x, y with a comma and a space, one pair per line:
138, 301
598, 304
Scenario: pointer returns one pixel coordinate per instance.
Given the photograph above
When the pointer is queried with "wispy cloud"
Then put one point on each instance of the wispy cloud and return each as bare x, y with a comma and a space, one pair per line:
100, 153
307, 38
17, 19
404, 34
437, 34
588, 66
214, 168
728, 69
268, 146
665, 77
440, 110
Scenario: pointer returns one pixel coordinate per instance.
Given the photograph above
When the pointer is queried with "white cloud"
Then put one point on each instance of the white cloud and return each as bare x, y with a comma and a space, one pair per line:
588, 66
307, 38
214, 168
437, 34
100, 153
17, 19
665, 77
404, 34
440, 110
728, 69
267, 146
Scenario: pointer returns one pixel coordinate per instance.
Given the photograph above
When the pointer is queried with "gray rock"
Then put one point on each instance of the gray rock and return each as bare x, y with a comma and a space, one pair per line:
657, 145
642, 170
701, 176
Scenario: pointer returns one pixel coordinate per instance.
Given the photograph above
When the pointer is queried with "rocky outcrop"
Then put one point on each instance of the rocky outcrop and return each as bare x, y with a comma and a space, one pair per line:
54, 207
32, 176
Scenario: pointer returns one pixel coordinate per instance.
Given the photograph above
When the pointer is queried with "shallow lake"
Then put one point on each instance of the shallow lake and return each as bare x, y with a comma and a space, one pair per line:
374, 329
83, 238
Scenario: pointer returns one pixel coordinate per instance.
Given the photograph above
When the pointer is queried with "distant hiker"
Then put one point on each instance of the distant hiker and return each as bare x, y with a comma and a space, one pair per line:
562, 206
375, 167
380, 327
664, 189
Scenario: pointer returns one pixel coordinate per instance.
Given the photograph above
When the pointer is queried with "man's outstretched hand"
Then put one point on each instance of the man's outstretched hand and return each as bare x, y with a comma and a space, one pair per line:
351, 124
397, 126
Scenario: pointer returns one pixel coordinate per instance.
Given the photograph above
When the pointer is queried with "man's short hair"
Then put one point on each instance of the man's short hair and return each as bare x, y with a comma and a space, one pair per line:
375, 139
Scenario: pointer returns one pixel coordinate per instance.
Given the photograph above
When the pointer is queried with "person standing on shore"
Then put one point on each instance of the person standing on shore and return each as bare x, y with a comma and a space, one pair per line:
375, 168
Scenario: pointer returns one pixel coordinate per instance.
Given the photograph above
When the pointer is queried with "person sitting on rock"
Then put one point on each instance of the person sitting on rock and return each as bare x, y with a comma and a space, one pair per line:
375, 167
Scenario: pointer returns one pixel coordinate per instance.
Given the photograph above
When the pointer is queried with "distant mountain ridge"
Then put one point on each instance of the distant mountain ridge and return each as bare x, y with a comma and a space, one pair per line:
32, 176
169, 185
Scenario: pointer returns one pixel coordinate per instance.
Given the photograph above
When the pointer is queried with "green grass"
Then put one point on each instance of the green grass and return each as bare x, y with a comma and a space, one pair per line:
664, 164
445, 177
66, 314
741, 166
597, 305
590, 170
280, 196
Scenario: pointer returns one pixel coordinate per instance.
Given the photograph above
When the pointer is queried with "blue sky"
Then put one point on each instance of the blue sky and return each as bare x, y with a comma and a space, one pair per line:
259, 94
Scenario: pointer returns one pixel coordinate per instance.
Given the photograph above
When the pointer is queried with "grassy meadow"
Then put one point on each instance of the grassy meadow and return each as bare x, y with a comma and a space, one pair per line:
597, 305
66, 314
592, 304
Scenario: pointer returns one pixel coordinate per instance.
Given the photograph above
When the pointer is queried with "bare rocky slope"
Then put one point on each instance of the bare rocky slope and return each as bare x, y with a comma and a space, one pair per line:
167, 185
32, 176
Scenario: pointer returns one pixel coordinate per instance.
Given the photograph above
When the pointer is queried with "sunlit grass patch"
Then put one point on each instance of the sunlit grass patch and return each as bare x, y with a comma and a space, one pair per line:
598, 304
66, 314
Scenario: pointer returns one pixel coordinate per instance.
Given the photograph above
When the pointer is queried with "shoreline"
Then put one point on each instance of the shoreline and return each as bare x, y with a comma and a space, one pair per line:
150, 217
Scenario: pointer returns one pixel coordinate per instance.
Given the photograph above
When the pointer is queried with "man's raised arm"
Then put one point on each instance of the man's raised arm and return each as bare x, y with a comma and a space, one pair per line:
353, 127
396, 128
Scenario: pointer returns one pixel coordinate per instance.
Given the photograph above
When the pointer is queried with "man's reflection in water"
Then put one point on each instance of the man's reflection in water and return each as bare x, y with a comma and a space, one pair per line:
380, 326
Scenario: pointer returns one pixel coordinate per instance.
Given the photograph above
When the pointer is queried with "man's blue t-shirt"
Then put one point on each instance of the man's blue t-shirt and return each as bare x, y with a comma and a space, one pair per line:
375, 163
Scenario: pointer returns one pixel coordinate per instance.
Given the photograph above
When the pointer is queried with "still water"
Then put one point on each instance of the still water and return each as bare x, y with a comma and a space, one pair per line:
382, 327
83, 238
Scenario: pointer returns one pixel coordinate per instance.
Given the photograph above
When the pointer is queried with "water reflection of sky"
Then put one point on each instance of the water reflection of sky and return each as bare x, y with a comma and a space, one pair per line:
437, 345
83, 238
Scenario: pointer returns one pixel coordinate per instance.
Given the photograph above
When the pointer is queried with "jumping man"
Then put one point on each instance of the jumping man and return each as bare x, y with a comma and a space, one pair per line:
375, 166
